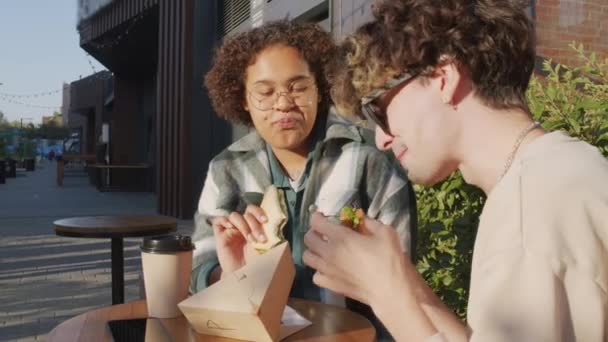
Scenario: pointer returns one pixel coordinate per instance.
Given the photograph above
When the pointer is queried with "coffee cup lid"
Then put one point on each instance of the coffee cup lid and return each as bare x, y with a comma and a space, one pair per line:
170, 243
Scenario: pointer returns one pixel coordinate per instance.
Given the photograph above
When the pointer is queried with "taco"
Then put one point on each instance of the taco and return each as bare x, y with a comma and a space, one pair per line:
352, 217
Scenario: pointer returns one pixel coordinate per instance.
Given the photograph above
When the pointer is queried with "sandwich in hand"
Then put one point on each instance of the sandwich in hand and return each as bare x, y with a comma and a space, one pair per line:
275, 208
353, 218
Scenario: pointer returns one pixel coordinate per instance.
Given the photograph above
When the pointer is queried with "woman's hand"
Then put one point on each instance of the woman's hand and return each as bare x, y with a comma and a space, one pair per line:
365, 267
232, 233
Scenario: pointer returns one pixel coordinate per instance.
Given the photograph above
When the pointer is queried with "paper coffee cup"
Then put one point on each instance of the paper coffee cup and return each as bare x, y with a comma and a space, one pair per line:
167, 263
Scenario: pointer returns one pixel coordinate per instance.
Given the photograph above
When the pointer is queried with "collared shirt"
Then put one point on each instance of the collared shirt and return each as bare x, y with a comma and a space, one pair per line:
346, 169
294, 193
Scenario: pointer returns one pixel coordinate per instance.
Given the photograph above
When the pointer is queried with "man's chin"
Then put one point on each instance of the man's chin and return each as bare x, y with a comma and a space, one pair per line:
422, 178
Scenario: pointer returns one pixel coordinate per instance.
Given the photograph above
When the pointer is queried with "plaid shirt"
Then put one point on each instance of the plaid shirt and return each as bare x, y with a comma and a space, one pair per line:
346, 169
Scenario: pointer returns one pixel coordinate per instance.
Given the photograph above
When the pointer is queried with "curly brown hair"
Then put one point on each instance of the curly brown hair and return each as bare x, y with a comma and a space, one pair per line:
226, 79
492, 40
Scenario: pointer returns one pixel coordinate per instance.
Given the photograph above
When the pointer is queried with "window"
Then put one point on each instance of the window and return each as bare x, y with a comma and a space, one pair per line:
232, 14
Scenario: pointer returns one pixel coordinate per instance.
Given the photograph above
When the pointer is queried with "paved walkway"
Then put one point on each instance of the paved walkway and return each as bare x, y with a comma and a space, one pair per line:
46, 279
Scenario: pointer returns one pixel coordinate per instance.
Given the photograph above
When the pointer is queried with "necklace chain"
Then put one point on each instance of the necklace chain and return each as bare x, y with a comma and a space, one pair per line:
518, 142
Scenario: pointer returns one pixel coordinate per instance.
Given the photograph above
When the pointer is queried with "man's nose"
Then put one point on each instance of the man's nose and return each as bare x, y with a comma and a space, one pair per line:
383, 140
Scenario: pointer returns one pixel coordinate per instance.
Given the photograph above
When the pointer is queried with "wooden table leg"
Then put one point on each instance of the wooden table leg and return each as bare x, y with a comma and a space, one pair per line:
60, 172
118, 275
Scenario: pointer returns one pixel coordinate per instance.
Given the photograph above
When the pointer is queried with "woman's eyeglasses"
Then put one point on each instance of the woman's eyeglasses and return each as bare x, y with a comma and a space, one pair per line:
301, 93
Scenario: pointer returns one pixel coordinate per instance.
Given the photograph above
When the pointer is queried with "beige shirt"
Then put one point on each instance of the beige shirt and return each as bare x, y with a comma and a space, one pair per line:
540, 262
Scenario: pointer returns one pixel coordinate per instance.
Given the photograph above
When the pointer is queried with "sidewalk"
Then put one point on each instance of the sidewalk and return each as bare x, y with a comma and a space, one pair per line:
46, 279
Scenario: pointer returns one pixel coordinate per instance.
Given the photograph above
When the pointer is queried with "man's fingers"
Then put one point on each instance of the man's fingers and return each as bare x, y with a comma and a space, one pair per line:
324, 227
316, 243
332, 283
314, 261
255, 226
372, 226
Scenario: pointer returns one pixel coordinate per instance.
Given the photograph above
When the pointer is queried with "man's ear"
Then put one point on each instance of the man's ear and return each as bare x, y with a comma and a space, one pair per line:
451, 80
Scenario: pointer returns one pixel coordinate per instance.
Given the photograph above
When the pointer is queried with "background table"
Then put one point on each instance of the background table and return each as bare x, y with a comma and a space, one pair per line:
115, 228
71, 157
330, 323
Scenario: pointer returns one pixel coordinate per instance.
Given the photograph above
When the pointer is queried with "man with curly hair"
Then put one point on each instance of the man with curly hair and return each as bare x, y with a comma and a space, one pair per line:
445, 83
273, 80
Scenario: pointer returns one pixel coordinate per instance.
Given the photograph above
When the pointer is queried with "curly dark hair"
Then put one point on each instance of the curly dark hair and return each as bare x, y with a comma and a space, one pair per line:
492, 40
226, 79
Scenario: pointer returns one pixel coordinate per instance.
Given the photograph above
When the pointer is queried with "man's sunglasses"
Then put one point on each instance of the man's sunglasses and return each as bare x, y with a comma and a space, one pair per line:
372, 111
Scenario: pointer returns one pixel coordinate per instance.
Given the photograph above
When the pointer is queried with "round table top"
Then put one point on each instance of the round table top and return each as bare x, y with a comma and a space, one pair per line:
115, 226
329, 323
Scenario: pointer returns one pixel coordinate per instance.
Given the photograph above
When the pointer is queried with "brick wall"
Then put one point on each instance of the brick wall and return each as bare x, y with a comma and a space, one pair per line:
559, 22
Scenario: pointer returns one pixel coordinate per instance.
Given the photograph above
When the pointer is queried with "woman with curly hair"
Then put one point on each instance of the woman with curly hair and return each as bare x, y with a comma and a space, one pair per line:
445, 83
272, 79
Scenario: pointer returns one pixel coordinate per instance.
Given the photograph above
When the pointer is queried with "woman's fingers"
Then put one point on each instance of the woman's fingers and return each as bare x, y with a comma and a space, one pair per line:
239, 222
256, 228
221, 223
258, 212
256, 217
248, 225
223, 230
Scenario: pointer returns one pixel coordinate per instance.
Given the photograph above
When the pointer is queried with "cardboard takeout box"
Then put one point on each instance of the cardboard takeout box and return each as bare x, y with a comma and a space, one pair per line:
247, 304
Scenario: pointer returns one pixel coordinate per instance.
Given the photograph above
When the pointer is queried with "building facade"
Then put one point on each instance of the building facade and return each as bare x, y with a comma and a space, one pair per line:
90, 105
65, 103
159, 51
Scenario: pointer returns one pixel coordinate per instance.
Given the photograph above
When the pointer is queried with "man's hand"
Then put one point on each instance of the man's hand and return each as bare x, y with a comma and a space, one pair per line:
360, 266
232, 233
372, 268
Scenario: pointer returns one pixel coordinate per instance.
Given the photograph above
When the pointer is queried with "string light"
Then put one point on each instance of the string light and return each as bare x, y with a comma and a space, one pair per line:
8, 97
27, 104
21, 96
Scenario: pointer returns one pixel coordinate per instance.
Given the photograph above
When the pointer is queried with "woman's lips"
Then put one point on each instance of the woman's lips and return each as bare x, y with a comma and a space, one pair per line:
286, 123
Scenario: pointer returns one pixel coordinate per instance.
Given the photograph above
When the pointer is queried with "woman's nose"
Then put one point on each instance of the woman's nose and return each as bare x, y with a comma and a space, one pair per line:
383, 140
283, 102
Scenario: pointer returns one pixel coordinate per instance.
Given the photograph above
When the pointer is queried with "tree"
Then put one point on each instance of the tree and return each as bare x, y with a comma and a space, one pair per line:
3, 121
52, 131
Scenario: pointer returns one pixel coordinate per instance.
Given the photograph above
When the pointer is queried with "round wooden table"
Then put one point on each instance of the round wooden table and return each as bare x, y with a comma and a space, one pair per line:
115, 228
329, 323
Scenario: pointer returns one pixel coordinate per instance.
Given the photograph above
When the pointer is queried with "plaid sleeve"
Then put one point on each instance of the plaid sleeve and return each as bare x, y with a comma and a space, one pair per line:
205, 256
388, 190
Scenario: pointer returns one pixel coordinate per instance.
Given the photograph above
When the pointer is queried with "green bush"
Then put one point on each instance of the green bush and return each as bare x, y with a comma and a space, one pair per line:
573, 99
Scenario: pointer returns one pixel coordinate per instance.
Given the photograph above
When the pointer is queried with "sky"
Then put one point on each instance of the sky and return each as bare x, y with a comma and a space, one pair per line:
39, 50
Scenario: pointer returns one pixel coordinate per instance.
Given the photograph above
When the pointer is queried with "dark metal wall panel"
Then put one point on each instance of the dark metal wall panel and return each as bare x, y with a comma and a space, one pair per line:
175, 103
210, 134
110, 17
